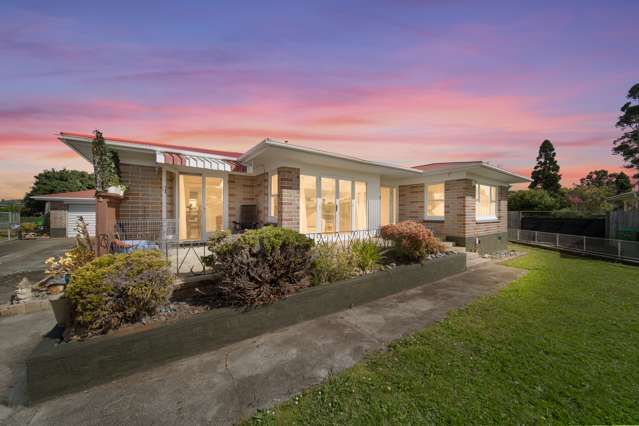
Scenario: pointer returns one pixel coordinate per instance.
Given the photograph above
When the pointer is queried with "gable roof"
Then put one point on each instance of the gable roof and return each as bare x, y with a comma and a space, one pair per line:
167, 147
453, 166
89, 194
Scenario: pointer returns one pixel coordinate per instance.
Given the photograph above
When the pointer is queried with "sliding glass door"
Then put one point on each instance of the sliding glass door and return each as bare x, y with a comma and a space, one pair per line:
200, 205
345, 205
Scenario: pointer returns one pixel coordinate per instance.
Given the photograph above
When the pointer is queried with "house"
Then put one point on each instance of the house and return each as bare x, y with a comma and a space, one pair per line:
308, 190
628, 201
62, 211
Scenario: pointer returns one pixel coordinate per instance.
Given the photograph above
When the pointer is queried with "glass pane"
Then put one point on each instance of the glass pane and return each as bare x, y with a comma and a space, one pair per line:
435, 203
361, 211
329, 207
345, 205
308, 204
190, 207
493, 201
274, 195
385, 213
394, 206
483, 206
214, 204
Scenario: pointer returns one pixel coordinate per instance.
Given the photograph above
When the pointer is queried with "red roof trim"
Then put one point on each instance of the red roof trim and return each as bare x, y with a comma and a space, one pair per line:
90, 193
159, 145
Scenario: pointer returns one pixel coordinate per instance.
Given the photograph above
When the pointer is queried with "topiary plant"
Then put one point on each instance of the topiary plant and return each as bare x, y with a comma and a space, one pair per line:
117, 288
106, 164
260, 266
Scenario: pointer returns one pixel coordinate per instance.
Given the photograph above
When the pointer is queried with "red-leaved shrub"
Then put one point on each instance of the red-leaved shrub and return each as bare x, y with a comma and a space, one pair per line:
412, 241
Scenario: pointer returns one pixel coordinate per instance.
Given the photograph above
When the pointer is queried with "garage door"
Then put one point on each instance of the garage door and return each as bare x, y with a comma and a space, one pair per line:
87, 211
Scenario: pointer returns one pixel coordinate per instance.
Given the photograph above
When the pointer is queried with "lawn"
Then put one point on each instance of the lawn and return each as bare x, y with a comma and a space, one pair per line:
559, 345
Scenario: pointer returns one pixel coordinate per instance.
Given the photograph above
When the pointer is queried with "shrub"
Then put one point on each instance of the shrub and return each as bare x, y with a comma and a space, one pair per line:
332, 263
412, 241
116, 289
367, 256
70, 261
28, 227
260, 266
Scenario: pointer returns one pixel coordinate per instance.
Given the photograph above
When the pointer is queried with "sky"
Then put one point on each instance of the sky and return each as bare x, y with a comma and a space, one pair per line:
404, 81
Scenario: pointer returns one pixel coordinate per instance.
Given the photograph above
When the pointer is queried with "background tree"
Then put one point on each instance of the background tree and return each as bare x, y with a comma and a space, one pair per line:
546, 175
54, 181
533, 200
628, 145
613, 183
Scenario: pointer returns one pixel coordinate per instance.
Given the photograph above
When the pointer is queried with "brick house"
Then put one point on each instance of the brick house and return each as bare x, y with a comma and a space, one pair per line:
308, 190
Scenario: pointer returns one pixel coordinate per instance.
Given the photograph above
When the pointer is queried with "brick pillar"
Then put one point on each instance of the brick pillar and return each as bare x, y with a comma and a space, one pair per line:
459, 209
288, 182
106, 216
411, 202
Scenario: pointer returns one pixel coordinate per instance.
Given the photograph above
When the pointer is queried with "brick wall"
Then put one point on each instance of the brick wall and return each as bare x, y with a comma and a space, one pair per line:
289, 197
241, 192
460, 222
261, 197
143, 198
411, 202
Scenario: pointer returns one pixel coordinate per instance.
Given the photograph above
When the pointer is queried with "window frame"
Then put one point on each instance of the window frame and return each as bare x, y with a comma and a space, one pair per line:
426, 202
492, 201
271, 212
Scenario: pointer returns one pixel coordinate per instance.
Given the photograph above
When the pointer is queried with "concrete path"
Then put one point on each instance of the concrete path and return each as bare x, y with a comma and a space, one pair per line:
25, 258
225, 385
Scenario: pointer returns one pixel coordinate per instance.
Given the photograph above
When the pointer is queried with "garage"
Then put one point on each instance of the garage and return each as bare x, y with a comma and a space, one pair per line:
63, 210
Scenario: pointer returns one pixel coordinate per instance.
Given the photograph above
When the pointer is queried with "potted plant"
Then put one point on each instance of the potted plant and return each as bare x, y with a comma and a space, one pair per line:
106, 167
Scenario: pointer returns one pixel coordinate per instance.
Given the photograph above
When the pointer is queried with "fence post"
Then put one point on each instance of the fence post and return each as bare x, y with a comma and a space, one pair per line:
557, 240
518, 231
584, 243
535, 236
618, 248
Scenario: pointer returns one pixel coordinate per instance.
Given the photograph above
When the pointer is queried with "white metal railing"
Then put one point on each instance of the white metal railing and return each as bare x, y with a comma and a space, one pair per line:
9, 224
345, 239
609, 248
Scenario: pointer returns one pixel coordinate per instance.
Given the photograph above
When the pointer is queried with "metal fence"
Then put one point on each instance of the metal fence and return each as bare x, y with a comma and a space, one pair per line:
186, 256
346, 239
9, 223
603, 247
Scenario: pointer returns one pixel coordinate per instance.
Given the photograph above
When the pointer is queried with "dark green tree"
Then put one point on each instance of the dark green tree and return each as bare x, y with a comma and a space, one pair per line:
54, 181
533, 200
628, 144
546, 175
106, 163
614, 183
622, 183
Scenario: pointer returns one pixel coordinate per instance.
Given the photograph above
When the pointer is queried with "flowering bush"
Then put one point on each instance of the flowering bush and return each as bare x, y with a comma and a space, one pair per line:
68, 262
412, 241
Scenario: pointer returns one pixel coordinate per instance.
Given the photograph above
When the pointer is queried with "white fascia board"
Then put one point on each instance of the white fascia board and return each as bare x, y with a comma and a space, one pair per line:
262, 146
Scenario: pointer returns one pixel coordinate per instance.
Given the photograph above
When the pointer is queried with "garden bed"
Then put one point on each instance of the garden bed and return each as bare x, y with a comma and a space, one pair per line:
55, 368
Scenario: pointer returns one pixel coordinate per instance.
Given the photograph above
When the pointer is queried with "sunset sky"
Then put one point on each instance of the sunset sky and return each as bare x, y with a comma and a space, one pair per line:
407, 82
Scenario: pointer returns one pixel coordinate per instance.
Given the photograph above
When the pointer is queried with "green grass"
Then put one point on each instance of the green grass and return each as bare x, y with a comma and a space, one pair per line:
559, 345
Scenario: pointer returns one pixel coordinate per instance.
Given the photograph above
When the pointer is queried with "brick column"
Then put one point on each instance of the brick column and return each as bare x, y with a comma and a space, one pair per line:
106, 216
288, 182
411, 202
459, 208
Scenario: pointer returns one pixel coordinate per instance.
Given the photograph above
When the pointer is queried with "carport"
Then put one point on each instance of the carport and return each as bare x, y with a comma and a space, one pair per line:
62, 211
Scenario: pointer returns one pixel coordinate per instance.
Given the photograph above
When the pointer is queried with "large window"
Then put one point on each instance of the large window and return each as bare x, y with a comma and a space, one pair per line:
214, 204
190, 207
273, 195
308, 204
388, 210
361, 209
329, 204
435, 204
486, 197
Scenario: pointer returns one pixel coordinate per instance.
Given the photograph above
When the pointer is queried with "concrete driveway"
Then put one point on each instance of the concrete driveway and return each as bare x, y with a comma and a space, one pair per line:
25, 258
223, 386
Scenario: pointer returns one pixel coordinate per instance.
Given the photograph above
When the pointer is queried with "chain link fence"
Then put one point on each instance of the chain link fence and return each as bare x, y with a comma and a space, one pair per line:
603, 247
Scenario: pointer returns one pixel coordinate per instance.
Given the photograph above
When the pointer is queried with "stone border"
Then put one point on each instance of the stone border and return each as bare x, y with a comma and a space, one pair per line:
54, 369
30, 307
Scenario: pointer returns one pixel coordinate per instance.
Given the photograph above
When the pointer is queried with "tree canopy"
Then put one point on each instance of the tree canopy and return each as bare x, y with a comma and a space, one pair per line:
546, 175
628, 144
54, 181
616, 183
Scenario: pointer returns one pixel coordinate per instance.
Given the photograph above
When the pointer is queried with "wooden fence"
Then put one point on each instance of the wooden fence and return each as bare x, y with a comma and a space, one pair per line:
623, 224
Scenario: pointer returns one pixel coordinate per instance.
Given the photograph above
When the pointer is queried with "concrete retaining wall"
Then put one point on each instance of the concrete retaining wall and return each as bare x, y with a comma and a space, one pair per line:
53, 369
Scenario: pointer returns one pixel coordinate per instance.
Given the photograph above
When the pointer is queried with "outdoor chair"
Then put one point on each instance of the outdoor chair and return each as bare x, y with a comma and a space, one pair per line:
248, 218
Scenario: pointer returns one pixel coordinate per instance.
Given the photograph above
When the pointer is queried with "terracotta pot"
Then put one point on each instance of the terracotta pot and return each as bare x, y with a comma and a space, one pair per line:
61, 309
